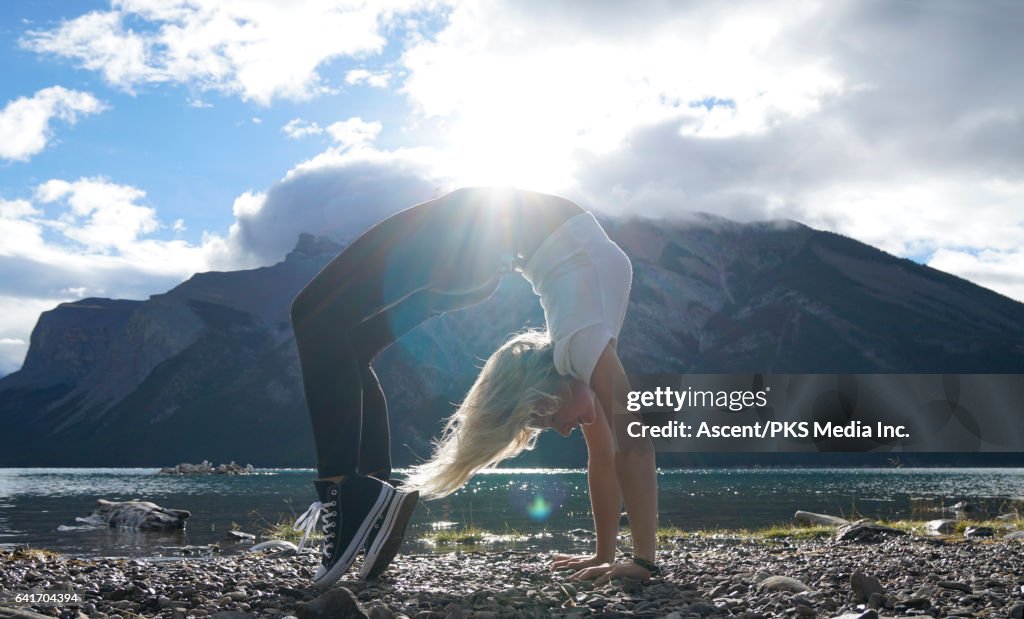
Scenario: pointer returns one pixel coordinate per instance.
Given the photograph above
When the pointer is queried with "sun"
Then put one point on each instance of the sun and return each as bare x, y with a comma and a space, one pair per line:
508, 150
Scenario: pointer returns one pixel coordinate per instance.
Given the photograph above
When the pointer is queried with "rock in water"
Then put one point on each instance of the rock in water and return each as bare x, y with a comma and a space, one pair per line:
239, 536
205, 468
812, 518
337, 602
137, 515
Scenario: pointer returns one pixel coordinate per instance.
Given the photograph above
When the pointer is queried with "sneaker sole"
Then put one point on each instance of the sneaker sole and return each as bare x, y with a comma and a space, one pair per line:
349, 556
388, 542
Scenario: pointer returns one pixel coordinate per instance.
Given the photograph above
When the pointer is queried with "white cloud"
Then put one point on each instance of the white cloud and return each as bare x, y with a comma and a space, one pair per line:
1002, 271
898, 124
339, 194
354, 132
67, 246
25, 122
101, 215
296, 129
89, 237
376, 79
259, 49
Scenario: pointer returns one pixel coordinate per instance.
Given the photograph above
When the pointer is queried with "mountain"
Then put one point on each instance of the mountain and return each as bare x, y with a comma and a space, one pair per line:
209, 370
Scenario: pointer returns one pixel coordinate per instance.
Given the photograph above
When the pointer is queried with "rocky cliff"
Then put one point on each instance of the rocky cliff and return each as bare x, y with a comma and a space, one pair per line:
209, 370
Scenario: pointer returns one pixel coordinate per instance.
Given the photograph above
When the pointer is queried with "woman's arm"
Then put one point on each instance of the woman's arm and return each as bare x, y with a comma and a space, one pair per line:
634, 466
605, 496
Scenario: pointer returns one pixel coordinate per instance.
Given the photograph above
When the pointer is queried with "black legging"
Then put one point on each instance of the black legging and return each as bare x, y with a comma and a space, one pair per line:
376, 290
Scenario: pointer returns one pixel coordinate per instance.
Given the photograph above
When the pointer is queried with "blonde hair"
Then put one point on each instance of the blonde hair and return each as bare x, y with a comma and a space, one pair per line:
517, 384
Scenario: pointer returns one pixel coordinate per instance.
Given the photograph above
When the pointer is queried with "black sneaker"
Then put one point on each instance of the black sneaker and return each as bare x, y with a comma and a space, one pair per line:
348, 512
388, 534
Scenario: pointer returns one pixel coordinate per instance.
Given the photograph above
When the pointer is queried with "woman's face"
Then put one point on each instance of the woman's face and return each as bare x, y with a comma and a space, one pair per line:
578, 410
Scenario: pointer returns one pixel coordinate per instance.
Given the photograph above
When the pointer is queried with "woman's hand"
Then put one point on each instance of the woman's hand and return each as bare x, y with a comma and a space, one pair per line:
604, 572
576, 562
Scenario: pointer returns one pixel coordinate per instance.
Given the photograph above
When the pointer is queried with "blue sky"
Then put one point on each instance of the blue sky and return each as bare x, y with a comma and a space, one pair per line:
142, 141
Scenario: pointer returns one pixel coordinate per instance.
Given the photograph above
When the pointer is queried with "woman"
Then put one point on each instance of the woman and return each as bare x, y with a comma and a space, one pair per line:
447, 254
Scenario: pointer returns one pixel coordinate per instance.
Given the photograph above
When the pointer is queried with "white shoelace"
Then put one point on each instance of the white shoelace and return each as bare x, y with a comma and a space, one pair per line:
307, 523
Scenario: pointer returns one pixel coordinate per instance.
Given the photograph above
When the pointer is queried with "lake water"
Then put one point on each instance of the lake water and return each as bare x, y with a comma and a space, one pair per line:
39, 507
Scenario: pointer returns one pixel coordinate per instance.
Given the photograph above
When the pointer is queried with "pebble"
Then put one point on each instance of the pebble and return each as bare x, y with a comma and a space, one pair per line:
958, 586
703, 578
783, 583
864, 586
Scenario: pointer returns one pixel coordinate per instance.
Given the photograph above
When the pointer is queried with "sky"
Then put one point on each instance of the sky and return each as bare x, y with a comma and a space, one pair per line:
142, 141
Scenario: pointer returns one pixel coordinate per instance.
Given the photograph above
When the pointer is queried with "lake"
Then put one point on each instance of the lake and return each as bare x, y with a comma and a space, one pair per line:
39, 506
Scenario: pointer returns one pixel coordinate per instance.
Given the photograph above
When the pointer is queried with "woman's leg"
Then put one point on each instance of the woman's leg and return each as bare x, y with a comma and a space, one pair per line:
373, 336
333, 386
329, 317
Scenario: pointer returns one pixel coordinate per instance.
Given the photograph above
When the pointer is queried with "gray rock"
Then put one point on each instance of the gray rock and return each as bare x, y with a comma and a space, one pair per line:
877, 600
957, 586
867, 614
918, 603
136, 516
20, 613
597, 602
942, 525
782, 583
1017, 611
336, 602
864, 586
1015, 535
205, 468
379, 612
274, 544
231, 614
979, 532
240, 536
867, 532
812, 518
1009, 517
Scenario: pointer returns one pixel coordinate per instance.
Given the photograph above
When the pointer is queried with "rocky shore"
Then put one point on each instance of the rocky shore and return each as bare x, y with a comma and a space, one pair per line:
206, 468
898, 575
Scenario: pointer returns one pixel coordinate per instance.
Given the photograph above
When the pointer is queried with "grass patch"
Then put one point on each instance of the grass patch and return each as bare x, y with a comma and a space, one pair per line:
284, 531
668, 535
465, 536
27, 552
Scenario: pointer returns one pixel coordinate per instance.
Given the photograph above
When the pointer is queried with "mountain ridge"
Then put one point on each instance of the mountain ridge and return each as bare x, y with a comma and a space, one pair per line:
208, 370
